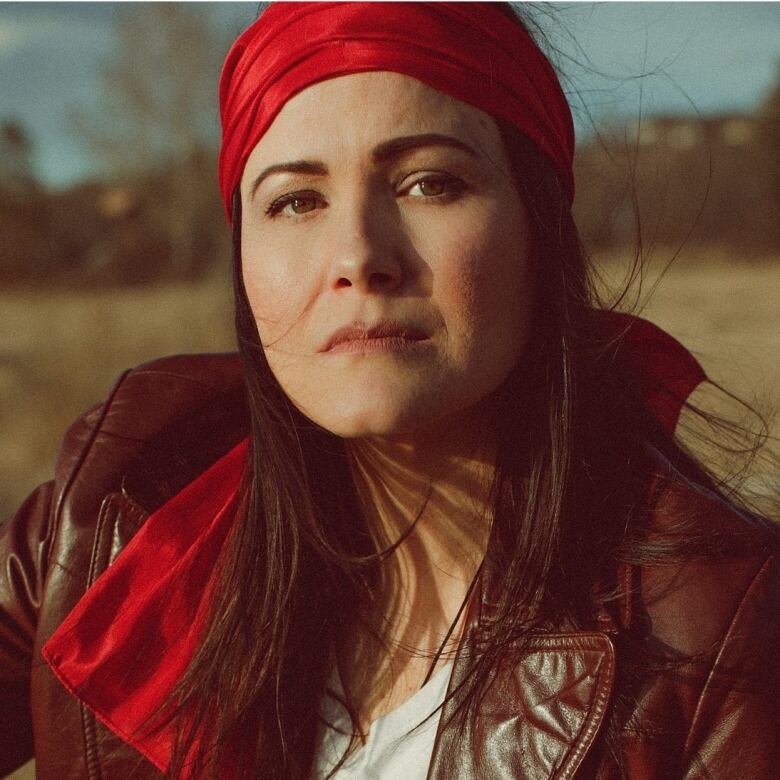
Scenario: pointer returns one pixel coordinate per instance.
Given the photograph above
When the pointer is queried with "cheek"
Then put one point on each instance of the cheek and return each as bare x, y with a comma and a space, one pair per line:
276, 289
484, 282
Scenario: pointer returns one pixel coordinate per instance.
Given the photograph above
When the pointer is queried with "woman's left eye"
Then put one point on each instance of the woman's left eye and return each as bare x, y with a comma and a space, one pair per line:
436, 187
294, 204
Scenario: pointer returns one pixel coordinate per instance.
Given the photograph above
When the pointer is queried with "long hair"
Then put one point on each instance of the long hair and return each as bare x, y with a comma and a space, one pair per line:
572, 473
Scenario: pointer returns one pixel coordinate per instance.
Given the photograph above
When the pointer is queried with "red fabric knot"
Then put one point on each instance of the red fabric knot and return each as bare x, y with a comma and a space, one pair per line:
470, 51
130, 638
663, 371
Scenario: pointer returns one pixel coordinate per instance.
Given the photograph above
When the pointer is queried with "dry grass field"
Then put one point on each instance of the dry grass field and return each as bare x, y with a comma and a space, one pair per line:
59, 352
726, 313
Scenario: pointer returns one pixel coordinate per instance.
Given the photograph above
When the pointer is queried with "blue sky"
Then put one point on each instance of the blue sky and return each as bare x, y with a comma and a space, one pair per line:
709, 57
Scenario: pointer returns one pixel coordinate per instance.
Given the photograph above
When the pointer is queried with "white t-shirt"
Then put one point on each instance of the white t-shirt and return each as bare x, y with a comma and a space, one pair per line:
390, 751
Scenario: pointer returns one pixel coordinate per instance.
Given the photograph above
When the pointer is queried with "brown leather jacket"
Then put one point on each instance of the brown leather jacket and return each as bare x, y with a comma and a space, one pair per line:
716, 715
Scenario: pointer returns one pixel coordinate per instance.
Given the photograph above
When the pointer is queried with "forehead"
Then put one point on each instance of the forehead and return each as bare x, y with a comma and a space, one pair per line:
350, 114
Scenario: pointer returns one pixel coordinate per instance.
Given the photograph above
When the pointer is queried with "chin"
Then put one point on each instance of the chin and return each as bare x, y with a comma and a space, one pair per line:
404, 419
363, 420
368, 426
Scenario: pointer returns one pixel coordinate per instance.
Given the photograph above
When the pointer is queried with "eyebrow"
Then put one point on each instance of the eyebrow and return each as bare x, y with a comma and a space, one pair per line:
384, 152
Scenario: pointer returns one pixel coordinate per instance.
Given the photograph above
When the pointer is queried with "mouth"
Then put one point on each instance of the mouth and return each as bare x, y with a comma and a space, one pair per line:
380, 337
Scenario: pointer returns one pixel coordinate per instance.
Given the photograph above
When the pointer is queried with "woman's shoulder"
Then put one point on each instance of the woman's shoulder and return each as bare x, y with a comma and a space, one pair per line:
151, 395
725, 568
703, 652
160, 425
146, 400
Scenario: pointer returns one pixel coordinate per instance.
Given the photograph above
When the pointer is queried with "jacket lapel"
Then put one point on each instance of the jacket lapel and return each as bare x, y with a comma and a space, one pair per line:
538, 718
127, 642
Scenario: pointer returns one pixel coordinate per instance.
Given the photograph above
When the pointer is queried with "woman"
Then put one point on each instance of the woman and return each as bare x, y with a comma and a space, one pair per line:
435, 524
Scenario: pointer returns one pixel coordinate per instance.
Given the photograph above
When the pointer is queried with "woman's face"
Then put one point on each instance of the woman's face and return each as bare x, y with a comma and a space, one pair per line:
385, 254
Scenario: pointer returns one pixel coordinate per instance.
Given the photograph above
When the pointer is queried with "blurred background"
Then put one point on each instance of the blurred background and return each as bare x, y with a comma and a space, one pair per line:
113, 248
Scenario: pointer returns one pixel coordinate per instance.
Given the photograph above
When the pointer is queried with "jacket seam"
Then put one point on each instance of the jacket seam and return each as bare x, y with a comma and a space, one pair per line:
593, 723
87, 728
96, 567
727, 636
90, 743
106, 524
176, 375
95, 563
76, 468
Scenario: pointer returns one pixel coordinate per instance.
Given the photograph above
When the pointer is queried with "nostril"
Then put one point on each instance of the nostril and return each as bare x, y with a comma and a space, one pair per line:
343, 282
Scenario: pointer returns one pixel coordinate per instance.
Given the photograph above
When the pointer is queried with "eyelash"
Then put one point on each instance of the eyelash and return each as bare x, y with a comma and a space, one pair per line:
453, 187
276, 206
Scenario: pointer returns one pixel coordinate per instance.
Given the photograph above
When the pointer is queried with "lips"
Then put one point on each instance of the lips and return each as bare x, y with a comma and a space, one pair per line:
359, 335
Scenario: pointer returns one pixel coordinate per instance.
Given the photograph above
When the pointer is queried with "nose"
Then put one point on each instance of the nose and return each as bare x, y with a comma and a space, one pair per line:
366, 249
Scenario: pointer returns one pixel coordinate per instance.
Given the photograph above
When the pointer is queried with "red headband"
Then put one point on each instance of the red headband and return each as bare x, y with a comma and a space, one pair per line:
470, 51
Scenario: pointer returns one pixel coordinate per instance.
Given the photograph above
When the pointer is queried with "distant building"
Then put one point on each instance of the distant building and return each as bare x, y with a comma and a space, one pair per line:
683, 180
683, 133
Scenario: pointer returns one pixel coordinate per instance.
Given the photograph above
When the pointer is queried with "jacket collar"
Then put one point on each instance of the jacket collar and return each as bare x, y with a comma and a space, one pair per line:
129, 639
538, 718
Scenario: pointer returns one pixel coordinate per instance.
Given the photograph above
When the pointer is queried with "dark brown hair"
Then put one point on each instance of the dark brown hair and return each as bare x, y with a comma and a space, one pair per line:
573, 470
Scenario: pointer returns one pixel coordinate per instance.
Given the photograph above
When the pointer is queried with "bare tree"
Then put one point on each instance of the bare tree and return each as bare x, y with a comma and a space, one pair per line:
156, 124
17, 176
25, 227
770, 111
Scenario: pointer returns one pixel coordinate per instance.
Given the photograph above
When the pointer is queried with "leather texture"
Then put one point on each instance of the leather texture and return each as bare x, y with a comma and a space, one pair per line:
715, 715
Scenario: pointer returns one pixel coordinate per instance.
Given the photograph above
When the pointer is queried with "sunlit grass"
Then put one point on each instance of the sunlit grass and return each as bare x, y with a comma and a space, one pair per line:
61, 351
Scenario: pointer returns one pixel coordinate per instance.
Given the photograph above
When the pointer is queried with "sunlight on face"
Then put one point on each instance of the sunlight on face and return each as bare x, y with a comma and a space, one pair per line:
385, 254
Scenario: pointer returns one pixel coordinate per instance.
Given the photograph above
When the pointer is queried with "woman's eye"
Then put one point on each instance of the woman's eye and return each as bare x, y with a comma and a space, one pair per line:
436, 186
299, 203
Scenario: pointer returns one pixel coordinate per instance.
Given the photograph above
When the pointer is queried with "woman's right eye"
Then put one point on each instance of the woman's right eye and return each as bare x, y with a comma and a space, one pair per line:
294, 204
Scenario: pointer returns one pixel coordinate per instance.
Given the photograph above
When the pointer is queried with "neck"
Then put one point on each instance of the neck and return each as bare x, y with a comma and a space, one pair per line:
429, 494
432, 490
427, 499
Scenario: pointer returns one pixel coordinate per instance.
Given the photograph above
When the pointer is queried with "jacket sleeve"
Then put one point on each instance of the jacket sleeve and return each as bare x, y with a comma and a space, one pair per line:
23, 541
735, 731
